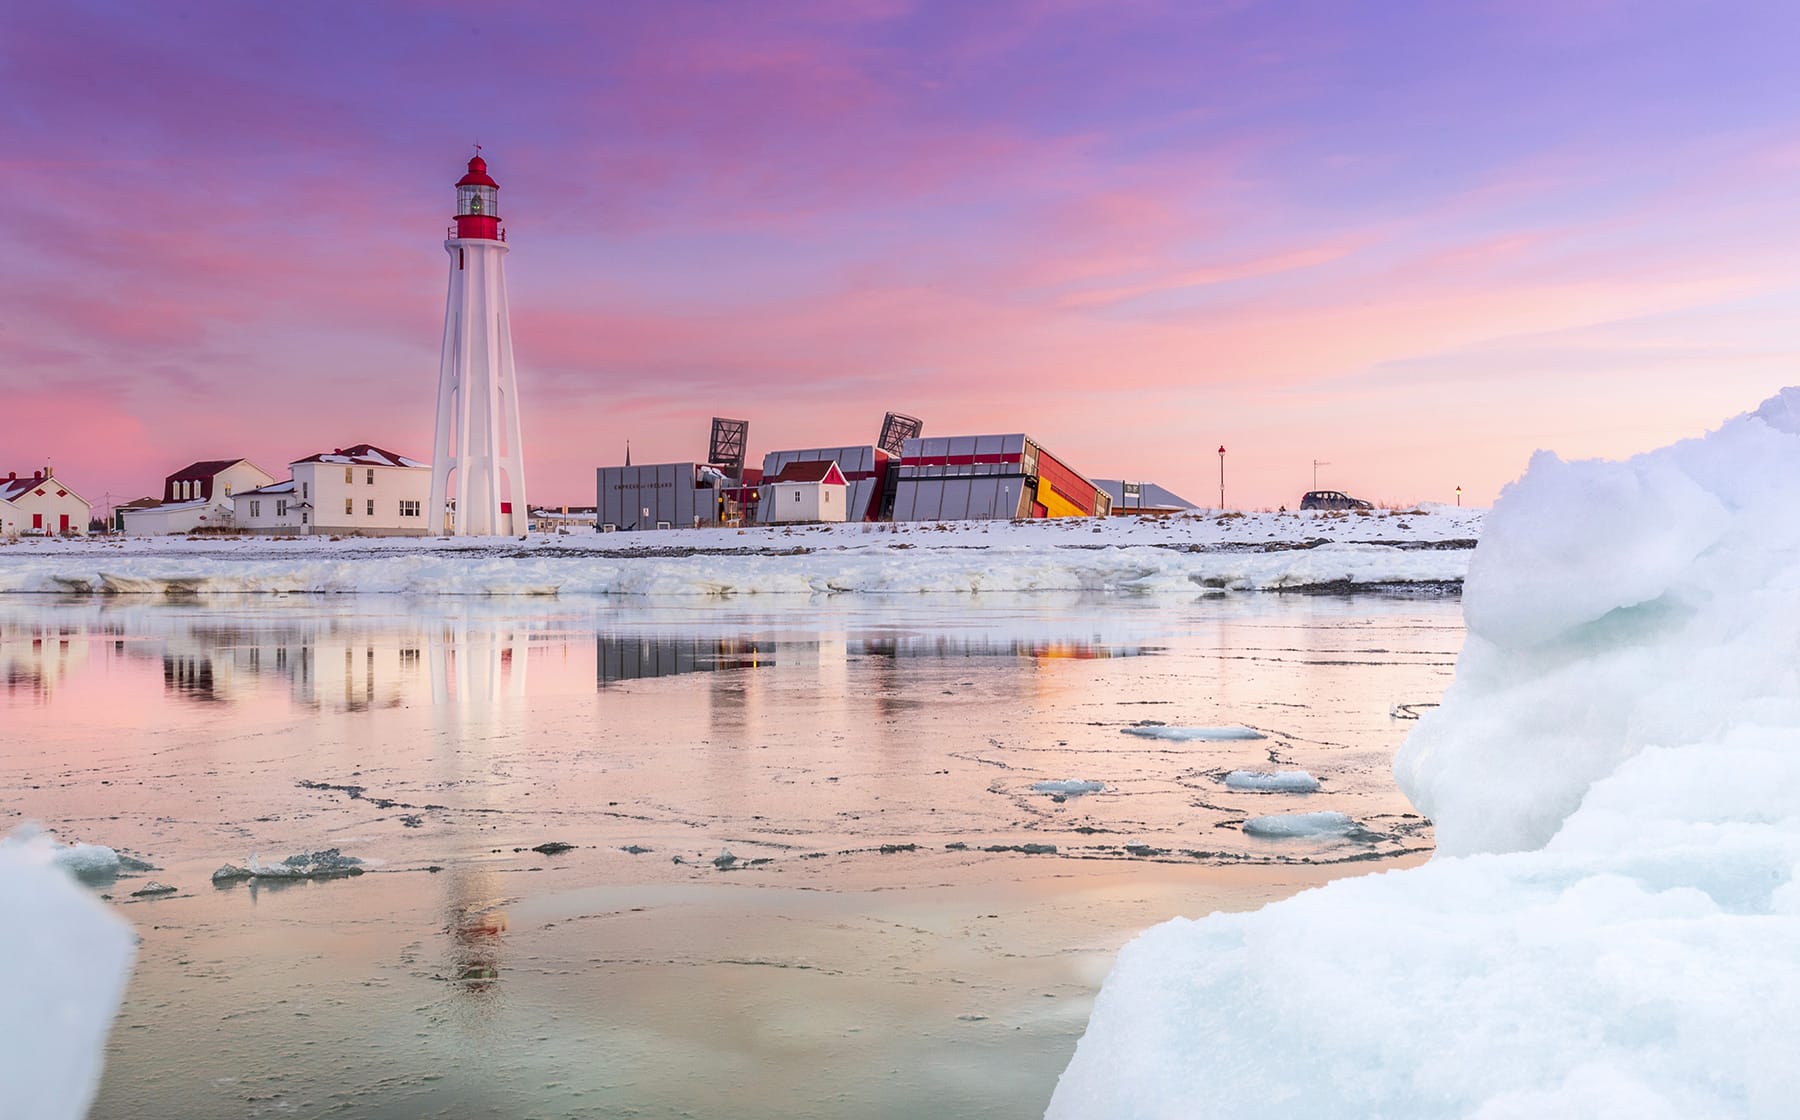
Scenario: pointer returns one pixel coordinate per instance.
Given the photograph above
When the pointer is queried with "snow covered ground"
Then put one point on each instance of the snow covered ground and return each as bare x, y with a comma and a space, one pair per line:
1611, 925
1278, 551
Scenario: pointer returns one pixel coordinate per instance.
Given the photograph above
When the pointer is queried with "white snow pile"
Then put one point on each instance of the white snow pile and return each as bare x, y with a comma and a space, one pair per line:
1069, 787
1193, 734
1185, 554
1280, 781
1281, 825
1611, 924
67, 960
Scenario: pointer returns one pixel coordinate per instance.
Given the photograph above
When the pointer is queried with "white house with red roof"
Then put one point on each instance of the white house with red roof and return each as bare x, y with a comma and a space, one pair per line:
39, 504
196, 497
809, 490
363, 490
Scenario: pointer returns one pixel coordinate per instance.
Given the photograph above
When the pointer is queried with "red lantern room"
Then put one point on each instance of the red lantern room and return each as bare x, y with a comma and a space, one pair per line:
477, 208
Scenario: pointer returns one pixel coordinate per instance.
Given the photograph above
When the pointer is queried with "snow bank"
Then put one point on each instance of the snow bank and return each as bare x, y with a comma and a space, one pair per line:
67, 959
1611, 925
1258, 552
1281, 781
1193, 734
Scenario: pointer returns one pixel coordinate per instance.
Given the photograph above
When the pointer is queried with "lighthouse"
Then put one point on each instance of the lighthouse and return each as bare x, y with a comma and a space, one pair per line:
477, 459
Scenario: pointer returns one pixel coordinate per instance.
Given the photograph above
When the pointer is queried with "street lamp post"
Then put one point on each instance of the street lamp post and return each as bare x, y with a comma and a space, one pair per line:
1459, 495
1221, 476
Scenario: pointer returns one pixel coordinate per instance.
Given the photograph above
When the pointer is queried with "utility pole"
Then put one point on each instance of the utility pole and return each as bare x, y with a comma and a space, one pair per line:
1317, 463
1221, 477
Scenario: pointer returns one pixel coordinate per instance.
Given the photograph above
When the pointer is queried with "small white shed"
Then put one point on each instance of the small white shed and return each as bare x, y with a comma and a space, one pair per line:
811, 490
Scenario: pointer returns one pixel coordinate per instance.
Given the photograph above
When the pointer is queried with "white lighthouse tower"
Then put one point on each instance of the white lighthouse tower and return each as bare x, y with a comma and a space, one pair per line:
477, 459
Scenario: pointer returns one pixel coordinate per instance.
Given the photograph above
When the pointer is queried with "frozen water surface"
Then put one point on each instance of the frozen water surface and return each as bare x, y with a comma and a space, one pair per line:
909, 924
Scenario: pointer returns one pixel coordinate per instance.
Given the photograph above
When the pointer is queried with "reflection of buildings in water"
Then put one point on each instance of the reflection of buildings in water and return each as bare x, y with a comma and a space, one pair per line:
350, 671
636, 658
35, 660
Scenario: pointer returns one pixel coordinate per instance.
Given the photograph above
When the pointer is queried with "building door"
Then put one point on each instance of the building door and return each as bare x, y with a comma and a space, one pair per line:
37, 521
65, 523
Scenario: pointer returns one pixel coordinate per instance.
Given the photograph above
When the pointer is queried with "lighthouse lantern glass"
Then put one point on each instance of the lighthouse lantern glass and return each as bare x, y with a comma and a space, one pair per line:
476, 200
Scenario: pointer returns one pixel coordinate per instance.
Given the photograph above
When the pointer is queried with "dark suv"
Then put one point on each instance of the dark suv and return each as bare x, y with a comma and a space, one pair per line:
1331, 499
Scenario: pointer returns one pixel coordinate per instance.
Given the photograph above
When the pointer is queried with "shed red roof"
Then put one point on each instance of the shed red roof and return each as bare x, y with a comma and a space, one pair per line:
811, 470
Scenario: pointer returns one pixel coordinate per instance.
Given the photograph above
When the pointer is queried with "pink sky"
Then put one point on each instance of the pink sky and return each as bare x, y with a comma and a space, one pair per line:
1415, 242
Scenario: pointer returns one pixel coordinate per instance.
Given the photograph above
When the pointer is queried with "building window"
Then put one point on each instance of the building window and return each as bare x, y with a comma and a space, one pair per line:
349, 475
371, 507
796, 495
409, 509
228, 489
349, 506
303, 491
371, 476
255, 509
302, 517
280, 508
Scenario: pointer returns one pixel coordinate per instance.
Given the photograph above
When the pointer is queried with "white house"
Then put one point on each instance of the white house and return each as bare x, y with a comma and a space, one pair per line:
362, 490
42, 505
198, 496
270, 509
809, 490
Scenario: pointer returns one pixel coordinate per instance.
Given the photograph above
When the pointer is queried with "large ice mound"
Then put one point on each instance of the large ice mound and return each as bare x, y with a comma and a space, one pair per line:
67, 959
1611, 924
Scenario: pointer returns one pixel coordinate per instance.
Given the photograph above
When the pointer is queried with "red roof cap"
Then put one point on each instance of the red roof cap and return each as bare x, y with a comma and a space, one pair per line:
477, 176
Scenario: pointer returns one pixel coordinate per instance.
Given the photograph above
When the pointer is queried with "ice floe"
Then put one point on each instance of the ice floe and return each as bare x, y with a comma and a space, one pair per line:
1069, 787
1279, 781
1323, 823
1193, 734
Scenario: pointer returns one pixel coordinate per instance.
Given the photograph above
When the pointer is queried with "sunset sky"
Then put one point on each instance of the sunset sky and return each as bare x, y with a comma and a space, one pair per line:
1416, 241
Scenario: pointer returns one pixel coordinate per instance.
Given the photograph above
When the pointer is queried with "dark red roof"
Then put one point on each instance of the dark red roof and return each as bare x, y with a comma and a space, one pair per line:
811, 470
362, 455
477, 176
205, 468
11, 488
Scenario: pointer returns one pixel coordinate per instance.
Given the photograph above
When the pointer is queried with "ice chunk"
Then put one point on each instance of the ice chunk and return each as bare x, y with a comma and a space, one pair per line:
1325, 823
67, 959
326, 864
1281, 781
1189, 734
1071, 787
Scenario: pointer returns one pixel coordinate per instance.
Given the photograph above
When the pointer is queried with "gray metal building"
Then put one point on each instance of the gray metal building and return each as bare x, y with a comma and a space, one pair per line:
994, 477
658, 496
